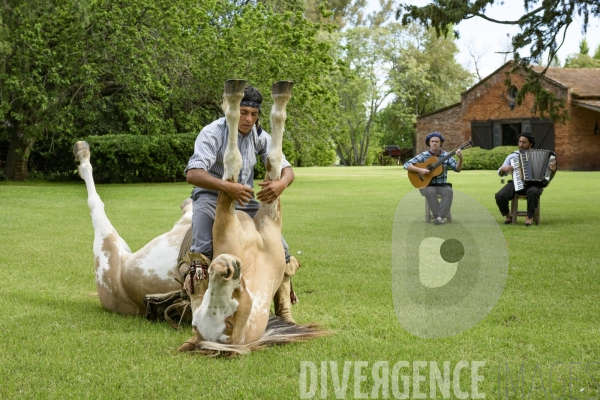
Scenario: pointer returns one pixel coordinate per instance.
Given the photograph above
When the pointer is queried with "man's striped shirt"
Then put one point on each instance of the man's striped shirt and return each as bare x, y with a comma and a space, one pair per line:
210, 146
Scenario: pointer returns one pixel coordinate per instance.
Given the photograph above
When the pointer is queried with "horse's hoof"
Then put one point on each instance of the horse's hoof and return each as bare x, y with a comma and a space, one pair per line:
282, 87
234, 86
81, 150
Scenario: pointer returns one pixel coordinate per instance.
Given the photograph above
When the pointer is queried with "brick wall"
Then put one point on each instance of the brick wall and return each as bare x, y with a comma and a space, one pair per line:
579, 148
448, 122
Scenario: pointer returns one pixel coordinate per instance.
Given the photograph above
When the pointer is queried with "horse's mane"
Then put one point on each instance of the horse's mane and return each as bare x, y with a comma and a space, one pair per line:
278, 331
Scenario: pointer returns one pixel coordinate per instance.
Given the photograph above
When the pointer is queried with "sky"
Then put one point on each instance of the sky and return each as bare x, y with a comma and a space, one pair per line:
485, 39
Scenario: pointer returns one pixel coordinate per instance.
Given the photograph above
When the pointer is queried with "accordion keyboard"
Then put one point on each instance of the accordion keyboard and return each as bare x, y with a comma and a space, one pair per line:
517, 178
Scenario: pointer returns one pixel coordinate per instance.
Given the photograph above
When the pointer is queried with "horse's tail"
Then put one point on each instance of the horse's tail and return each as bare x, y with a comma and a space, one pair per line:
278, 331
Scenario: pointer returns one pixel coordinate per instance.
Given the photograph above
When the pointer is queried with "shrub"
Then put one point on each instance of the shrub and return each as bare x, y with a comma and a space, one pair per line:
122, 159
478, 158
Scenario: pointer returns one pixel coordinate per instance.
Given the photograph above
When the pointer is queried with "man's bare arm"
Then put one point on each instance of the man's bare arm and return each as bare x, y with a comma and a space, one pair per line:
271, 190
201, 178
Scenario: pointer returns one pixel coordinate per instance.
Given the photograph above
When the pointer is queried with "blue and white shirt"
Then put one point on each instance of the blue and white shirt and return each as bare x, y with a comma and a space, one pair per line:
441, 178
210, 146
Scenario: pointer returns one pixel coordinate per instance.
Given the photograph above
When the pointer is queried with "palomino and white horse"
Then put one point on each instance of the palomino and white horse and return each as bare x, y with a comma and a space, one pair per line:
230, 308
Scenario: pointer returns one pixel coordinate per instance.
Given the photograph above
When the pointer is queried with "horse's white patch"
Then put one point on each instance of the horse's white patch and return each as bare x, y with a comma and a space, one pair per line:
261, 303
217, 305
160, 258
101, 269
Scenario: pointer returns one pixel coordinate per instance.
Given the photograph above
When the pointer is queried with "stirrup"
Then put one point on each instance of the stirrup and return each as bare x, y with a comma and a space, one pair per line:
170, 307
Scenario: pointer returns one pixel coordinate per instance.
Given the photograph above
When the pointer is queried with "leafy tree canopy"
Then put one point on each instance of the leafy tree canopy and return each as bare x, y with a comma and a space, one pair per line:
73, 68
407, 66
583, 60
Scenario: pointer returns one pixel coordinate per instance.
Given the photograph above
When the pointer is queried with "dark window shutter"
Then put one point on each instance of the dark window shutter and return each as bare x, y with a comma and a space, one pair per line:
543, 132
481, 134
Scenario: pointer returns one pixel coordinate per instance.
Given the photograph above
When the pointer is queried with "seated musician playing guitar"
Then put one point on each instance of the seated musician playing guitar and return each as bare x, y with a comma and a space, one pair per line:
438, 185
531, 190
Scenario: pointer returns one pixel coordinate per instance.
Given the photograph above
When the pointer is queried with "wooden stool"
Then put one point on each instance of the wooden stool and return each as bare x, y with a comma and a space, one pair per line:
429, 215
514, 210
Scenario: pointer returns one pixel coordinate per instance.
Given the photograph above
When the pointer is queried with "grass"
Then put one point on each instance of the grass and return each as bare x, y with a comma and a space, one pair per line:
58, 342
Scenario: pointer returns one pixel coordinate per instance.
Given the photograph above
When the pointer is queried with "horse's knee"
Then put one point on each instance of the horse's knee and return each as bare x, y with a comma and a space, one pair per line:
187, 205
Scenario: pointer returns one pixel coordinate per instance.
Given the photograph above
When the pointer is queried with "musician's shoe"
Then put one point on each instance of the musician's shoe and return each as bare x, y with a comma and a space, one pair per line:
528, 224
508, 222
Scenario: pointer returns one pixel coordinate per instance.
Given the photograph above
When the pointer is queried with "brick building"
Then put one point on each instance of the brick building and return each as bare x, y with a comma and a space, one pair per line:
488, 115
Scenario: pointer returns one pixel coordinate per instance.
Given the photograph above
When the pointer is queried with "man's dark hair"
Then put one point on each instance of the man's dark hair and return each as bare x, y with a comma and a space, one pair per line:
252, 94
529, 137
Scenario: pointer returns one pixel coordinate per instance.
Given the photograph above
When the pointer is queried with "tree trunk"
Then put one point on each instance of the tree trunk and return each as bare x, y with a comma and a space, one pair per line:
18, 155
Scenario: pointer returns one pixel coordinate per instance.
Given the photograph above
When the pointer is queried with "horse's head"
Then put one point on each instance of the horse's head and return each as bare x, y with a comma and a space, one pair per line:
226, 304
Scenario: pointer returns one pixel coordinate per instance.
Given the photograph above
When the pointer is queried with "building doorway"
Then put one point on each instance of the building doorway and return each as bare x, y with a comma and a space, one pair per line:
506, 133
510, 134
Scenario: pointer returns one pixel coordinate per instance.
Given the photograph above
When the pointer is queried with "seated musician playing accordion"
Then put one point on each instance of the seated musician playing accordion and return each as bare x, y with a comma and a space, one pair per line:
531, 188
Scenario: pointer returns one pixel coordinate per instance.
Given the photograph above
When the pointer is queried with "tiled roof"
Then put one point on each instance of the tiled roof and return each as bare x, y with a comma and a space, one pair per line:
585, 82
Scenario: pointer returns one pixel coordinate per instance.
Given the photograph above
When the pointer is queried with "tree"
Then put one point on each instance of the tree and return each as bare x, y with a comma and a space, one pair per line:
543, 24
362, 90
337, 12
410, 66
583, 47
582, 60
424, 75
148, 68
97, 66
264, 47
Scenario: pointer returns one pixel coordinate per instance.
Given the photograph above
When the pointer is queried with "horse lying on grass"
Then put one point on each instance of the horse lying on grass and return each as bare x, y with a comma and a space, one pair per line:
231, 307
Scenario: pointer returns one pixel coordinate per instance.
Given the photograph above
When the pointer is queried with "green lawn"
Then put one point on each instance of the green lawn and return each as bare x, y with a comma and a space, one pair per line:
58, 342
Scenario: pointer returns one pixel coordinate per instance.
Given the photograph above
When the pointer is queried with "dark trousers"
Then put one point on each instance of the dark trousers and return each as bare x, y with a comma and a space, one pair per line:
507, 193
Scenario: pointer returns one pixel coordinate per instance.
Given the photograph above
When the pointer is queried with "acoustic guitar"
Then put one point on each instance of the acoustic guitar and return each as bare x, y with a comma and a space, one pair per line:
434, 165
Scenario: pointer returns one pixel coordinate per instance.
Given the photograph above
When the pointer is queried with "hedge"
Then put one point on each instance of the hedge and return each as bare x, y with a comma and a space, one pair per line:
478, 158
121, 159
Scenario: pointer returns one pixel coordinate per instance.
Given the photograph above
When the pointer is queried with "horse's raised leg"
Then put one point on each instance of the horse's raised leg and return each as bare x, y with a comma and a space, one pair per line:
123, 278
226, 228
281, 92
232, 159
109, 247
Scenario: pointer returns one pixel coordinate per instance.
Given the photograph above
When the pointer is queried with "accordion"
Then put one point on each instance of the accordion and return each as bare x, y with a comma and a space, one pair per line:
532, 166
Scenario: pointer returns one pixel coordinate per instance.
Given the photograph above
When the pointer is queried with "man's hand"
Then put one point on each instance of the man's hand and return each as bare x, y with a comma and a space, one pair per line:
270, 191
240, 193
459, 153
508, 169
552, 166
